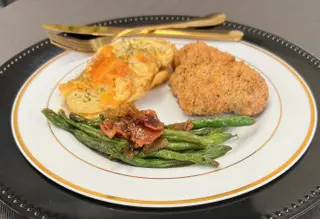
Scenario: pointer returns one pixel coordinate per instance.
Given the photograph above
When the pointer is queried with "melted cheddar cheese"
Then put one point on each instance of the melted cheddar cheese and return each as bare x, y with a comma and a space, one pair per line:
117, 75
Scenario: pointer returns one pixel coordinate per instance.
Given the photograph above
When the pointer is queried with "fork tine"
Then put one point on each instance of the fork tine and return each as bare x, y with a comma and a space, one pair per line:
71, 43
72, 46
71, 49
67, 42
59, 38
59, 45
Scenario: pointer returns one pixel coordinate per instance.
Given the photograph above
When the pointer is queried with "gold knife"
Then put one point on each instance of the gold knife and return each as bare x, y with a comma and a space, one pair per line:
209, 20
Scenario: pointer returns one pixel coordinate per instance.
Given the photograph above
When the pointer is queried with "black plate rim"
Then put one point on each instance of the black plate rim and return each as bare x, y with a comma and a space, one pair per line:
298, 207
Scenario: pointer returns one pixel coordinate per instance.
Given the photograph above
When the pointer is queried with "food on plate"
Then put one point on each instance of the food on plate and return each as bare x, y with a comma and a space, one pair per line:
207, 81
208, 130
140, 127
141, 139
215, 122
117, 75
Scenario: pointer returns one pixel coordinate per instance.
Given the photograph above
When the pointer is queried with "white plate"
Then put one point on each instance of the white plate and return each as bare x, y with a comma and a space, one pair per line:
263, 151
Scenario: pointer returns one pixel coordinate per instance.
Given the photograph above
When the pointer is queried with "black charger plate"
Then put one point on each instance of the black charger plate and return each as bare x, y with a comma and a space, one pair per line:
25, 193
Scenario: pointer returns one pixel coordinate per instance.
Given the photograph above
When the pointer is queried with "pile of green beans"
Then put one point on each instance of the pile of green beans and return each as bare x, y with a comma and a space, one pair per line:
201, 145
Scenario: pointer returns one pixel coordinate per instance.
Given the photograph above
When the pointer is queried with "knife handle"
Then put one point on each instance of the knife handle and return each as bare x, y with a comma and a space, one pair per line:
209, 20
223, 35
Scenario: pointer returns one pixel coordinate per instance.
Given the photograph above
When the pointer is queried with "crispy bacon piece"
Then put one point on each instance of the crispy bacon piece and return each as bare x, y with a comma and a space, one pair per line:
150, 119
185, 126
141, 127
142, 135
122, 127
108, 129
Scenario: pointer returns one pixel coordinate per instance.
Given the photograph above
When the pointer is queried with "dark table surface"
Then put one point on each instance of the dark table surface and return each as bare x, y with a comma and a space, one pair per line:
295, 20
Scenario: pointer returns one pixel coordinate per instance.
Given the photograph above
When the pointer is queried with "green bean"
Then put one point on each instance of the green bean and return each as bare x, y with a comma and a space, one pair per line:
182, 136
107, 149
197, 157
200, 141
216, 138
94, 143
93, 123
208, 130
55, 119
183, 146
223, 121
202, 157
153, 162
92, 131
61, 121
213, 152
212, 139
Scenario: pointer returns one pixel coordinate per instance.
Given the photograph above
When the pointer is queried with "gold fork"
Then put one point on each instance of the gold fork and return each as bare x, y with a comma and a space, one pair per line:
92, 45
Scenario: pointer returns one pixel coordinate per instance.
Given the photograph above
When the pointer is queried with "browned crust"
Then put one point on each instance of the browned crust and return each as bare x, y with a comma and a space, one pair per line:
207, 81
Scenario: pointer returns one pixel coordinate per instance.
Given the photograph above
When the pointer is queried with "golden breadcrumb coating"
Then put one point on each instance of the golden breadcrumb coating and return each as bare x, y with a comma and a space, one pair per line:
207, 81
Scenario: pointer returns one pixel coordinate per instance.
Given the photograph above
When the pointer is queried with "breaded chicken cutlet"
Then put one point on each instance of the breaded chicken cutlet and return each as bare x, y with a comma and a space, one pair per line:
207, 82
